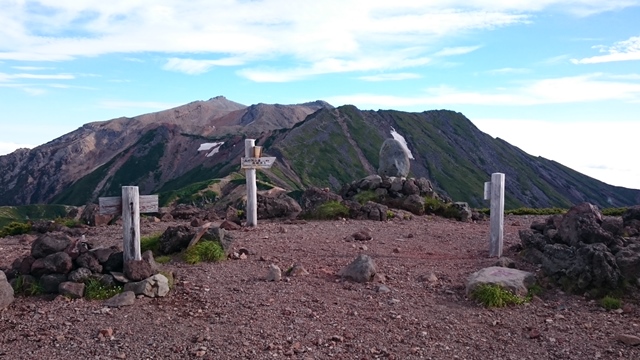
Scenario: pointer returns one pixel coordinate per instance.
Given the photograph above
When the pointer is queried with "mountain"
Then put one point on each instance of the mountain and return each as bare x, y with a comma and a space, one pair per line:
315, 144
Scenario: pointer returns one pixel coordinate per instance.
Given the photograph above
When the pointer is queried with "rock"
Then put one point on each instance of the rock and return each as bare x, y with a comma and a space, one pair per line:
105, 279
506, 262
463, 211
232, 215
374, 211
275, 274
115, 262
362, 269
147, 256
48, 244
103, 254
119, 277
297, 270
23, 283
6, 291
414, 204
221, 236
276, 204
631, 216
371, 182
628, 261
383, 289
185, 212
627, 339
175, 239
55, 263
71, 289
51, 282
22, 266
154, 286
394, 160
516, 281
125, 298
80, 275
137, 270
313, 197
362, 235
89, 261
196, 222
410, 187
229, 225
582, 224
594, 268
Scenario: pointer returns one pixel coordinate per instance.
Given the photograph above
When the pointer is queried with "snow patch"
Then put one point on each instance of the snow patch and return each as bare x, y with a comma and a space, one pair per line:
213, 148
402, 141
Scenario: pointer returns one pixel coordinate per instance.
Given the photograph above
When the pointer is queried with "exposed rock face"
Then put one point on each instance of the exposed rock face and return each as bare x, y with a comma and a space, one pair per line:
394, 160
580, 251
6, 291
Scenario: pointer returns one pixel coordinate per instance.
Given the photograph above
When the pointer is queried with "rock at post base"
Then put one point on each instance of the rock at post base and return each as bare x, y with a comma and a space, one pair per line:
517, 281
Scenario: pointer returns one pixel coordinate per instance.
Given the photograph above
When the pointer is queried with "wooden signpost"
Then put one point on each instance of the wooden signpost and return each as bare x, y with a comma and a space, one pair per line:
251, 161
494, 191
129, 205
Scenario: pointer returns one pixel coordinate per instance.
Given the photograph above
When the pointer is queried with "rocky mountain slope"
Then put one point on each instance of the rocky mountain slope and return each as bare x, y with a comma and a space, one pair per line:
315, 144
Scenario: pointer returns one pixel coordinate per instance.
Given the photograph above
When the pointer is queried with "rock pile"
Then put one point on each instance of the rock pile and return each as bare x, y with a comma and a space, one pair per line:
59, 264
585, 252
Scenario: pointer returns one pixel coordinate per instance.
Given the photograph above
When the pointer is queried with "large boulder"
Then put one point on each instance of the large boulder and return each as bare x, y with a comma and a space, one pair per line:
48, 244
6, 291
582, 223
60, 263
276, 204
394, 160
154, 286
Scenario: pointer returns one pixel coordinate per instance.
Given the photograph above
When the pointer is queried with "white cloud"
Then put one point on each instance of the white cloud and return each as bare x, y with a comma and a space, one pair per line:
626, 50
390, 77
508, 70
576, 89
194, 67
9, 147
460, 50
9, 77
582, 146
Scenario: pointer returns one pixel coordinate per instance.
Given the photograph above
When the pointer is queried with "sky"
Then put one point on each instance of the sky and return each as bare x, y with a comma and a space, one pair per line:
558, 79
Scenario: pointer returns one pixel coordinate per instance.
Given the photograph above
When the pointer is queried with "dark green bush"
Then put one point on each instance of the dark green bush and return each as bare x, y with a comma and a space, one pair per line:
330, 210
15, 228
204, 251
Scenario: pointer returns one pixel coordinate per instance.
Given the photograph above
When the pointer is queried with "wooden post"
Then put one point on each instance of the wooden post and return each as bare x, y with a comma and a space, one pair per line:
131, 223
252, 189
494, 190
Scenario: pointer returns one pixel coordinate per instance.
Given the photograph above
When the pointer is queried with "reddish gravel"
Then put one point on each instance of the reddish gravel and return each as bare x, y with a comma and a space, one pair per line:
228, 311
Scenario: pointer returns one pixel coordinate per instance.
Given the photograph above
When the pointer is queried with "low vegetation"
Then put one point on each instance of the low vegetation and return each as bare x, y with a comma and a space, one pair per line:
364, 196
204, 251
15, 228
610, 303
491, 295
22, 287
96, 290
150, 242
330, 210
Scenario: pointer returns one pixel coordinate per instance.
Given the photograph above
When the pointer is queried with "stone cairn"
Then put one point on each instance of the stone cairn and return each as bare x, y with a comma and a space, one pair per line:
586, 252
60, 264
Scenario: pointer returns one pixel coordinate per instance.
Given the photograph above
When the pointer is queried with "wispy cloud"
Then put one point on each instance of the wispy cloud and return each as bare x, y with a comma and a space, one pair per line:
32, 68
460, 50
508, 71
626, 50
194, 67
390, 77
9, 77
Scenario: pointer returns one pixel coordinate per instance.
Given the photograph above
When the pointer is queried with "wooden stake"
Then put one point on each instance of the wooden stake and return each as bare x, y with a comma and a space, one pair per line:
252, 189
497, 215
131, 223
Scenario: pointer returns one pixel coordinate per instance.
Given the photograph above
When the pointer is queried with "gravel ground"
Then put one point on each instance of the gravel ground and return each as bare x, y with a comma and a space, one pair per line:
227, 310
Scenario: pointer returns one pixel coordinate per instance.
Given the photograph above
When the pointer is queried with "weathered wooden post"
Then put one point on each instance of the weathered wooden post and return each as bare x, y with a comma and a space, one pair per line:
130, 205
251, 161
494, 191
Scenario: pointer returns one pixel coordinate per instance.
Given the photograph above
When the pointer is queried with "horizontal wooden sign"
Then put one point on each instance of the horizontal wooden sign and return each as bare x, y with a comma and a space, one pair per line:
257, 163
113, 205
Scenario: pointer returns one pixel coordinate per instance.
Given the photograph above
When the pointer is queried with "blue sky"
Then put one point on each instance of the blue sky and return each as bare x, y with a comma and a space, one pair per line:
559, 79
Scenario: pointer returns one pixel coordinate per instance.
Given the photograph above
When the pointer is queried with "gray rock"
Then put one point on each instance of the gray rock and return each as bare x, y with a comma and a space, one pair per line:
221, 236
48, 244
103, 254
6, 291
175, 239
582, 223
628, 339
276, 205
313, 197
154, 286
396, 185
275, 274
148, 257
394, 160
628, 260
50, 283
362, 269
516, 281
410, 187
80, 275
374, 211
55, 263
137, 270
71, 289
88, 260
506, 262
119, 277
105, 279
414, 204
371, 182
126, 298
114, 263
22, 266
463, 211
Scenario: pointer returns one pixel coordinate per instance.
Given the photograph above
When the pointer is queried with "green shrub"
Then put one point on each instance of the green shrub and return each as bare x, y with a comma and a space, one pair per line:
390, 214
329, 211
15, 228
96, 290
610, 303
449, 211
530, 211
163, 259
150, 242
432, 205
204, 251
534, 290
614, 211
491, 295
364, 196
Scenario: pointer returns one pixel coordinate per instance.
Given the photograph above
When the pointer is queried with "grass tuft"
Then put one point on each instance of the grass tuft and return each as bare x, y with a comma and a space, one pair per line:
163, 259
364, 196
15, 228
150, 242
491, 295
610, 303
204, 251
96, 290
330, 210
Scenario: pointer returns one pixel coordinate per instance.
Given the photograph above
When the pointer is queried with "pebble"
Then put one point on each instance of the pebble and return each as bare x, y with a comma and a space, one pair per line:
628, 339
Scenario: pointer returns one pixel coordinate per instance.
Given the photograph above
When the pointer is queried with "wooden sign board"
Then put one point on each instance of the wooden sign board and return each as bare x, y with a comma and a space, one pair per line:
113, 205
257, 163
487, 190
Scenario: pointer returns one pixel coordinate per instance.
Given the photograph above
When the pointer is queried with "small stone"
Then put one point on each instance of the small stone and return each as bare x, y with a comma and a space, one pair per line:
383, 289
123, 355
337, 338
126, 298
396, 250
628, 339
275, 274
364, 247
534, 334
